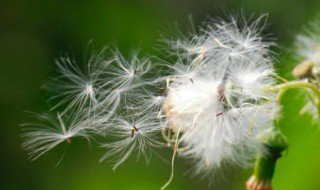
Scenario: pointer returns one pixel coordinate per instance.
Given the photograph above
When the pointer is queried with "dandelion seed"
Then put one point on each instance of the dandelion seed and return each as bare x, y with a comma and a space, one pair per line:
131, 136
76, 87
124, 74
49, 132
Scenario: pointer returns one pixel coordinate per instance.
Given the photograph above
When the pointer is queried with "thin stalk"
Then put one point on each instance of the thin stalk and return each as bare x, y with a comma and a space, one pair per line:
176, 146
298, 85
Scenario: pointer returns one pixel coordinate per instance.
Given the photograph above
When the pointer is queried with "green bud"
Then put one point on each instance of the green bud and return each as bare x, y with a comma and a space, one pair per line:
275, 143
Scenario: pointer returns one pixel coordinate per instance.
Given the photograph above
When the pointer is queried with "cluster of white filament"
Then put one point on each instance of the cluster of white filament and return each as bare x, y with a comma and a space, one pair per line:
210, 107
222, 101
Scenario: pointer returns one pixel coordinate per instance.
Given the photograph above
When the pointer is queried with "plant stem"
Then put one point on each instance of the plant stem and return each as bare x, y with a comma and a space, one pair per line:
275, 144
297, 84
265, 165
282, 88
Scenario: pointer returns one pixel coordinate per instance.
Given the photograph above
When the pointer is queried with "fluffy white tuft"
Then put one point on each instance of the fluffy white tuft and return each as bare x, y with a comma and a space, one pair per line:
48, 132
216, 95
137, 135
221, 100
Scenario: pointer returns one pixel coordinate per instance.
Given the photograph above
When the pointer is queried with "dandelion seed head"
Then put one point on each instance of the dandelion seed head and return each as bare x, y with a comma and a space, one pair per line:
226, 104
214, 96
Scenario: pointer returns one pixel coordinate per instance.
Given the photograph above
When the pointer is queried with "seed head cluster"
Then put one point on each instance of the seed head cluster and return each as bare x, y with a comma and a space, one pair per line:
221, 101
209, 102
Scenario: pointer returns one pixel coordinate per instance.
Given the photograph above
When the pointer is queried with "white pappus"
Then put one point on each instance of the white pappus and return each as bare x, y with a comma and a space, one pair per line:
224, 102
49, 131
215, 101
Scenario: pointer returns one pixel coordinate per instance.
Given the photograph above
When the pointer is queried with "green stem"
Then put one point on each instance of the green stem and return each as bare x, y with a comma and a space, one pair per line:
275, 144
282, 88
297, 84
265, 165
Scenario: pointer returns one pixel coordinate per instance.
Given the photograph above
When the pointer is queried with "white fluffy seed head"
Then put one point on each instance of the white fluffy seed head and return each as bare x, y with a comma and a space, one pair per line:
215, 123
221, 100
216, 95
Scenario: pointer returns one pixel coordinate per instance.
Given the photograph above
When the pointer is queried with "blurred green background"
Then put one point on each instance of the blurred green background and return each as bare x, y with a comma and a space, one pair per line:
33, 33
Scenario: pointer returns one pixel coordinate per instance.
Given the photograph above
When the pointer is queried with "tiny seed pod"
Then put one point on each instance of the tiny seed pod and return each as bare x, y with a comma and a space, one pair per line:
303, 70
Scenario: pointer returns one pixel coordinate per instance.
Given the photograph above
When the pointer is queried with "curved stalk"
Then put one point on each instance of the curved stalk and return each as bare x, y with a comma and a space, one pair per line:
282, 88
297, 84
